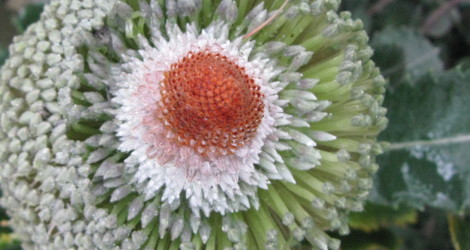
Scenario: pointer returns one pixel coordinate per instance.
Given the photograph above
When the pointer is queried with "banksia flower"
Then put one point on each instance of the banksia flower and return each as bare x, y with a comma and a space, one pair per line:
188, 124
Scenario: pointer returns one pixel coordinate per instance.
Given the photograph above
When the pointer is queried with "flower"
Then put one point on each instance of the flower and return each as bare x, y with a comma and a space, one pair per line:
144, 124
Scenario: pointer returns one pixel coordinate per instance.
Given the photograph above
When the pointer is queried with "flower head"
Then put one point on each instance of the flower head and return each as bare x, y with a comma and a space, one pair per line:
204, 111
178, 123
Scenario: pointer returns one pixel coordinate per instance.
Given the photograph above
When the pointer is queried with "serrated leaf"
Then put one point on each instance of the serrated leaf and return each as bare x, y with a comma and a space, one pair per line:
417, 57
459, 228
377, 216
428, 162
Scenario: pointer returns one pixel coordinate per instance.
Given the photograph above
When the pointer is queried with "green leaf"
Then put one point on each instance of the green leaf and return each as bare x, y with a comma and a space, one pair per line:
465, 64
391, 59
7, 243
29, 15
412, 54
383, 239
428, 161
430, 232
399, 13
377, 216
459, 227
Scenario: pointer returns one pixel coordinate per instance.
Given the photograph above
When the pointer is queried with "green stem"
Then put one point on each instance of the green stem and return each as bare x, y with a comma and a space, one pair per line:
259, 233
163, 244
458, 139
152, 233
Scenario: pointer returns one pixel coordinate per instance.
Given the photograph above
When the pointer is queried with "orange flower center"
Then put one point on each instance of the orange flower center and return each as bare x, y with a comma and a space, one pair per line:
210, 104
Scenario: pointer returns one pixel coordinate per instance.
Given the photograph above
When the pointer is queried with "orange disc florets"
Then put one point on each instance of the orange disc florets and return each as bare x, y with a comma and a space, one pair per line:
210, 104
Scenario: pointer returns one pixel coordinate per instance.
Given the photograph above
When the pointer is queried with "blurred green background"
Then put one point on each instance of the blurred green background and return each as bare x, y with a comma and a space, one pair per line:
8, 29
421, 194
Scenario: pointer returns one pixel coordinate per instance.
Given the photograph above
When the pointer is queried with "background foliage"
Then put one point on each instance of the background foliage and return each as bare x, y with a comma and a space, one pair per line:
421, 195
